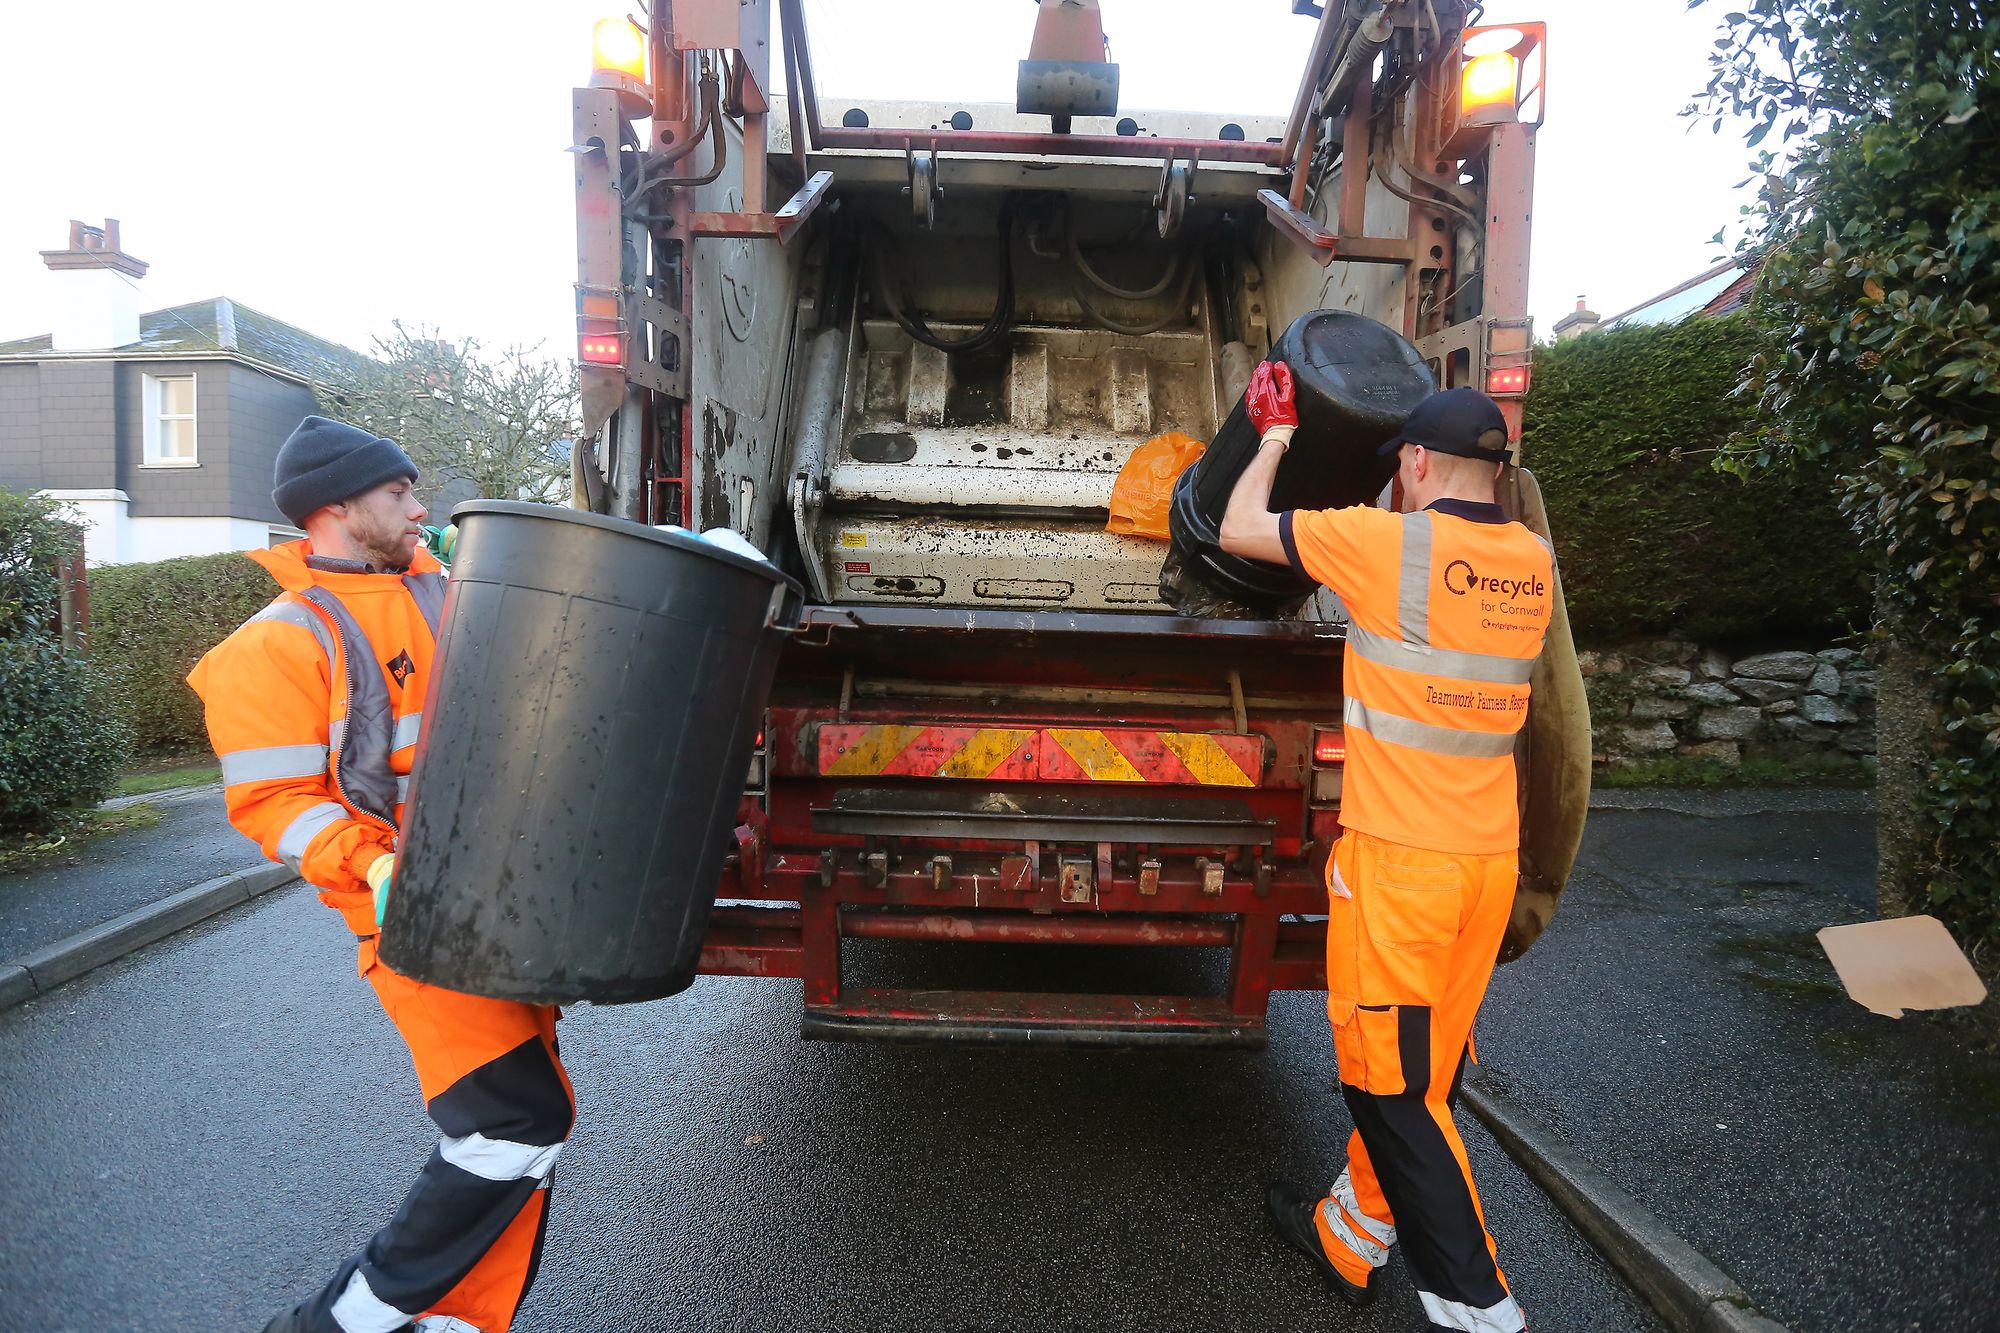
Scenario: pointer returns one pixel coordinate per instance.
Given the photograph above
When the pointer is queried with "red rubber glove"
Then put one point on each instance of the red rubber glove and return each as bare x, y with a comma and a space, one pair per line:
1272, 401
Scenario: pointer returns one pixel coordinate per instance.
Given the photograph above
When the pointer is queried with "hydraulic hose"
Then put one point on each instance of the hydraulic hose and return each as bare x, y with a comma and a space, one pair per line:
1470, 218
1091, 276
1139, 330
709, 97
711, 117
997, 325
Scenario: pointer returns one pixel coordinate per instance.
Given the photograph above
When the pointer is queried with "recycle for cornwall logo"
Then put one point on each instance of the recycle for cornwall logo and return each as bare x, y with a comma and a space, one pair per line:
1461, 578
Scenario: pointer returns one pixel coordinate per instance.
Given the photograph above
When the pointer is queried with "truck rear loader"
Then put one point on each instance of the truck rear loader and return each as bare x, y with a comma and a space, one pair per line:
905, 349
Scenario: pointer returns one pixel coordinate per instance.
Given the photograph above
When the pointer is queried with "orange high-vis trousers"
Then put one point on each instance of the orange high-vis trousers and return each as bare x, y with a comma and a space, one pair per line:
1411, 940
461, 1252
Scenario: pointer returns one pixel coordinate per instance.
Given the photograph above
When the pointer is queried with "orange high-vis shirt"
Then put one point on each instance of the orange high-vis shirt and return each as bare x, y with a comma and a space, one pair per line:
314, 706
1446, 612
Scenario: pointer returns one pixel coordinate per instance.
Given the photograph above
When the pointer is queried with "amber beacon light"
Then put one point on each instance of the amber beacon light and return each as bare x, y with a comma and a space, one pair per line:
1486, 89
618, 62
1501, 81
617, 47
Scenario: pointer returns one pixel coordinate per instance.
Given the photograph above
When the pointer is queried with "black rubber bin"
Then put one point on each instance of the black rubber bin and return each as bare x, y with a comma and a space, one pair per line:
596, 698
1357, 381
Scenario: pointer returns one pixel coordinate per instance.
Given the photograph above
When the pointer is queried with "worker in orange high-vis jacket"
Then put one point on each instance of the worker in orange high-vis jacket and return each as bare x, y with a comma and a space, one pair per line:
1447, 602
315, 706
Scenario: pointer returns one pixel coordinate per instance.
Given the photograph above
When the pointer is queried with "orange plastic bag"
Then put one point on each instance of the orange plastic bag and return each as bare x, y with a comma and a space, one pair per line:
1144, 490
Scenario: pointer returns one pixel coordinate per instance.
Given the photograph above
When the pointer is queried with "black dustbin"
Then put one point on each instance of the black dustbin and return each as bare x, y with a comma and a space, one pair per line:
1357, 380
597, 694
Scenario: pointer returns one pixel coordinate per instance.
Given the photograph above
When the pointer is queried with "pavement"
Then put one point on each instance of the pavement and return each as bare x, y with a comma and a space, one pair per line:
1681, 1028
107, 876
193, 1136
248, 1117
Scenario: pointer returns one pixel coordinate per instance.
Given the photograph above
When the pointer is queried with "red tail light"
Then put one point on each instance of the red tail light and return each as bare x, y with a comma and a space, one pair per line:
1329, 747
1509, 381
602, 349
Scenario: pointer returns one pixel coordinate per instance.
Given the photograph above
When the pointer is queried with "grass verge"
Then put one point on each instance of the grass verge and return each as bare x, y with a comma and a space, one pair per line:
194, 775
21, 852
1675, 771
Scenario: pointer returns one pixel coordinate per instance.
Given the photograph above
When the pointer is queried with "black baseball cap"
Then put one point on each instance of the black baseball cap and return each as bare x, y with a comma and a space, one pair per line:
1459, 421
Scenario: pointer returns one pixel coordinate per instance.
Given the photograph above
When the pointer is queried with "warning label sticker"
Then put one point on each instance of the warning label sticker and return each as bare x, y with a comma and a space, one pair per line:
856, 567
853, 539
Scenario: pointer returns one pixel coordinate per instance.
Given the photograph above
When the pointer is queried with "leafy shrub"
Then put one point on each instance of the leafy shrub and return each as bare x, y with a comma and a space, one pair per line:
1621, 428
1880, 216
60, 740
35, 537
149, 624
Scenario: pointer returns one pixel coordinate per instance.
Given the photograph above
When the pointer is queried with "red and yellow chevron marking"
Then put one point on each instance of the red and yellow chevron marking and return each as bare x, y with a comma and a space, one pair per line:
1184, 758
1052, 754
927, 752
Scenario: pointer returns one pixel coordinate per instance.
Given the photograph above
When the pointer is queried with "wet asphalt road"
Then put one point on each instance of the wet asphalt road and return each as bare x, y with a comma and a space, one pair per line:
111, 875
190, 1138
1682, 1028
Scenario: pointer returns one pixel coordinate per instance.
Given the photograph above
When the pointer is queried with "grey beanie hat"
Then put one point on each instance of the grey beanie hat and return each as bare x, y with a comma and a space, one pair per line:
323, 462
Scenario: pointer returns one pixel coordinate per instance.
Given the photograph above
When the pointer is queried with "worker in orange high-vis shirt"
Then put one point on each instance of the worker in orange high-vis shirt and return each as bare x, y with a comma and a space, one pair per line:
1447, 603
315, 706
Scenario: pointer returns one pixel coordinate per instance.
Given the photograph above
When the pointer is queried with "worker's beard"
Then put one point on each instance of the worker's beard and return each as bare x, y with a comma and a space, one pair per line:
384, 541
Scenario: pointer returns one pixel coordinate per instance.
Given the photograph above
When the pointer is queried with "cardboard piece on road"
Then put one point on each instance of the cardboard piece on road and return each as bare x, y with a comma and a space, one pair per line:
1906, 962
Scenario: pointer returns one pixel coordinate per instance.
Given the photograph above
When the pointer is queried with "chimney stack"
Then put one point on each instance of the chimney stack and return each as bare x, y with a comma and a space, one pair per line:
97, 304
1578, 321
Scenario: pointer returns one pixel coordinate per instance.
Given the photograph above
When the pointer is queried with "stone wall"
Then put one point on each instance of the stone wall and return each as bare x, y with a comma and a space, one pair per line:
1660, 698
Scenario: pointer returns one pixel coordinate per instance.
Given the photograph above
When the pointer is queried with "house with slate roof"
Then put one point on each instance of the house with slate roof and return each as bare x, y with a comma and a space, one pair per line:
161, 428
1718, 290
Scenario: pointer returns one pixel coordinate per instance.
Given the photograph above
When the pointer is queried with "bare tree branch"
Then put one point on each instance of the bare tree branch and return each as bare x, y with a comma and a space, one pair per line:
503, 422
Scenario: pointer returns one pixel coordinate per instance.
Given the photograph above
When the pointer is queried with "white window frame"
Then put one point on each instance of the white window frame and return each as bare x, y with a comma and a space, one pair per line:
153, 417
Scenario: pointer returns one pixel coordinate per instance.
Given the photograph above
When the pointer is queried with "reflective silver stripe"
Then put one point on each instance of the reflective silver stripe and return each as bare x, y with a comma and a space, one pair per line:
1488, 667
291, 613
272, 763
427, 590
500, 1159
449, 1323
359, 1310
1413, 593
1364, 1246
336, 734
363, 776
402, 788
298, 834
1343, 1194
1428, 736
1503, 1316
407, 727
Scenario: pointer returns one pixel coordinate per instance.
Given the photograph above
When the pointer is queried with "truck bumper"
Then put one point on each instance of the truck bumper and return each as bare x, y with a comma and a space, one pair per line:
1267, 952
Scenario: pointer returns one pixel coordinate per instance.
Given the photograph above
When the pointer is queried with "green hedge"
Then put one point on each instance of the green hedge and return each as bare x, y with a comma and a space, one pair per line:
60, 739
1622, 428
1879, 218
149, 624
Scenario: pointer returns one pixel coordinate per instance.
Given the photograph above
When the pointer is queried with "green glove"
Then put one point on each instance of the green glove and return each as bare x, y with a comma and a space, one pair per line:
380, 871
440, 542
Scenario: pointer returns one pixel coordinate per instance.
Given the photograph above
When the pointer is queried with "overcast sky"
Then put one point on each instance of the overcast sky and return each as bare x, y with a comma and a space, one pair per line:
342, 166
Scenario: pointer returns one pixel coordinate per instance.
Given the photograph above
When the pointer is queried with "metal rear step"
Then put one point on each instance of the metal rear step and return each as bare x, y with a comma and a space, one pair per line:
1162, 821
1031, 1017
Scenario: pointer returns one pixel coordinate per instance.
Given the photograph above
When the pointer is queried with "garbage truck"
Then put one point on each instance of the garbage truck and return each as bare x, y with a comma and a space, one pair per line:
906, 350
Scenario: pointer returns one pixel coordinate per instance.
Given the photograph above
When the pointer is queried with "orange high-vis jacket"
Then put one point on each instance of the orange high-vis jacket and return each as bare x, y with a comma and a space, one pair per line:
314, 706
1446, 611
